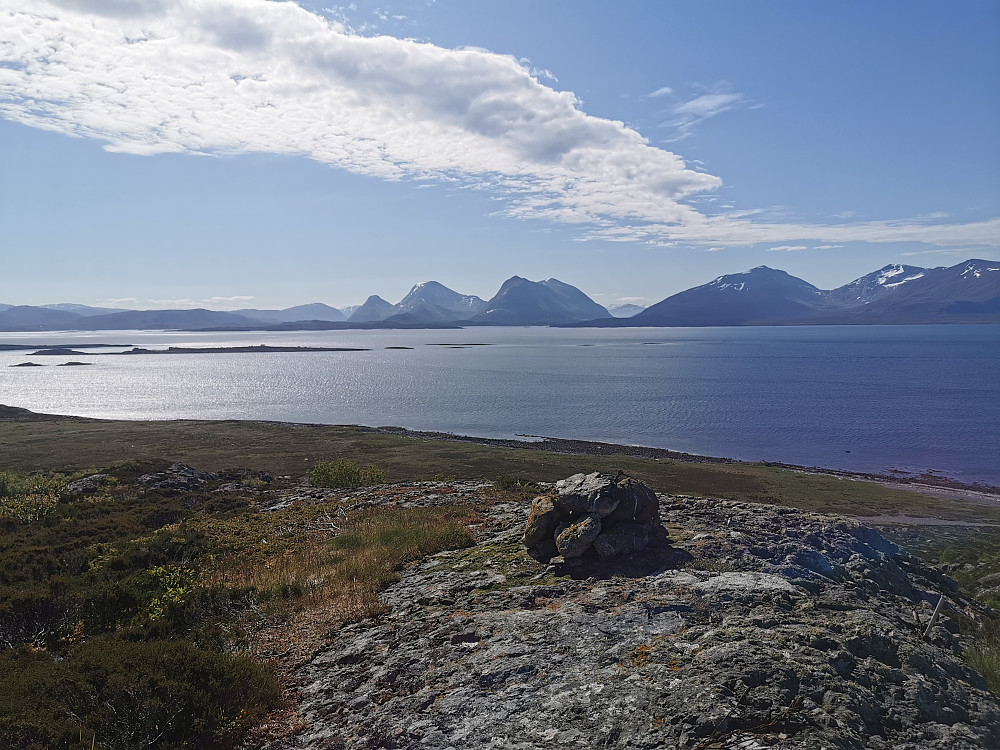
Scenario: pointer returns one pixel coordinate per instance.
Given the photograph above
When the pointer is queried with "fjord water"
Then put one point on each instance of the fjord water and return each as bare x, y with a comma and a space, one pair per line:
858, 398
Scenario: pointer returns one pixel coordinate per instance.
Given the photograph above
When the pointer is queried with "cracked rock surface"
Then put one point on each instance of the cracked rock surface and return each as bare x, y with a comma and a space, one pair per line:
760, 627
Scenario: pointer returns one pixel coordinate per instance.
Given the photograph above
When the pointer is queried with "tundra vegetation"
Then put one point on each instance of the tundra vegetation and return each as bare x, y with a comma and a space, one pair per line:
139, 617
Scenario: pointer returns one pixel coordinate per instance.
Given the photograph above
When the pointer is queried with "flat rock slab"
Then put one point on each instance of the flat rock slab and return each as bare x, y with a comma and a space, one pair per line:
780, 629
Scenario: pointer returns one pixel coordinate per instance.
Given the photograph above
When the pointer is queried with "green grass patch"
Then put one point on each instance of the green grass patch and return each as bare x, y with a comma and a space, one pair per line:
67, 444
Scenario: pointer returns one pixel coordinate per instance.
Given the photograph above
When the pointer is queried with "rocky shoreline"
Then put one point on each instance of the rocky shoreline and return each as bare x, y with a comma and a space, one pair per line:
757, 626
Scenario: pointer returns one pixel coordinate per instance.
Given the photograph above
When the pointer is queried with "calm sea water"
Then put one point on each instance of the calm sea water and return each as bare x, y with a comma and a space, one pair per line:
903, 398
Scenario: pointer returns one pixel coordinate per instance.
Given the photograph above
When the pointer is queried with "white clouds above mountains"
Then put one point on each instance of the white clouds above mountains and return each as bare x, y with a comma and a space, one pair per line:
238, 76
255, 76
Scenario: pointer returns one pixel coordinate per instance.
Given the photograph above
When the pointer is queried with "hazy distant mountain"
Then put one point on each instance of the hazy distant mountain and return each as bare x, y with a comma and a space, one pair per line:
875, 285
625, 311
433, 302
895, 295
348, 310
4, 307
759, 295
165, 319
521, 302
84, 310
32, 318
374, 308
313, 311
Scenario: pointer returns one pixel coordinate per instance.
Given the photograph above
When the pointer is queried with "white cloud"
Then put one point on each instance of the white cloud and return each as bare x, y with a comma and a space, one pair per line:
827, 247
736, 230
787, 248
689, 114
225, 77
662, 91
631, 300
960, 252
212, 303
241, 76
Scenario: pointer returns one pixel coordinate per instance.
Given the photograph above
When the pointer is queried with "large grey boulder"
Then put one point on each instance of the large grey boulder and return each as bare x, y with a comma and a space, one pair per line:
602, 515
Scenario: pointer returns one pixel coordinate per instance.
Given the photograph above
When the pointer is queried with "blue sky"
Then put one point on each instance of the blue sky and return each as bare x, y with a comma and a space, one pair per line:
247, 153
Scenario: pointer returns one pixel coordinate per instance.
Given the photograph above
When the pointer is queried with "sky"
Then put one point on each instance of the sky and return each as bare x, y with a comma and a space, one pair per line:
251, 153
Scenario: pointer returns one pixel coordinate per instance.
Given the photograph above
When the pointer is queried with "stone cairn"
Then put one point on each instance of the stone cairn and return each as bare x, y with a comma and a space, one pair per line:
593, 514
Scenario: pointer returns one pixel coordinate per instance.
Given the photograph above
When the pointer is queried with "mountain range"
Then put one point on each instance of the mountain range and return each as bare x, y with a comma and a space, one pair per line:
968, 292
894, 295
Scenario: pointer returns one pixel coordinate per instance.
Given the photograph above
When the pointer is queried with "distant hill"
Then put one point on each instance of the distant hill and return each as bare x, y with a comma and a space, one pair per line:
313, 311
625, 311
32, 318
521, 302
968, 292
164, 320
84, 310
374, 308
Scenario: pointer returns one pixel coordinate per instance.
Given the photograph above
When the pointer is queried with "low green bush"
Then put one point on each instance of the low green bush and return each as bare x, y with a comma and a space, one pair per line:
120, 694
343, 472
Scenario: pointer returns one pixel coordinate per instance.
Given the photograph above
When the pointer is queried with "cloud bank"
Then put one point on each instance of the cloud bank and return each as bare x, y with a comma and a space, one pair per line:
226, 77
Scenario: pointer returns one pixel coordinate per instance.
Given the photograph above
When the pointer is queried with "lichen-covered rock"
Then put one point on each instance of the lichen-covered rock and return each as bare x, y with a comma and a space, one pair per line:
757, 645
587, 493
542, 521
87, 485
179, 477
576, 539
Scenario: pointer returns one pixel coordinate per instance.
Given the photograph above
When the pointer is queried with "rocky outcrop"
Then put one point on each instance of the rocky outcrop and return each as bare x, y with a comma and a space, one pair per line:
88, 485
597, 514
761, 627
180, 477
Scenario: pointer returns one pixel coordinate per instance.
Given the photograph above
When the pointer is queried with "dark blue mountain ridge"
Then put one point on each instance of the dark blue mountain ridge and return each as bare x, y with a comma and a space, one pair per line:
967, 292
521, 302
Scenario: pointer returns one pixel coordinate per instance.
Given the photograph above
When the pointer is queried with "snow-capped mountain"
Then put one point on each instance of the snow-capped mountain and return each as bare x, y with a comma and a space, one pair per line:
875, 285
433, 302
759, 295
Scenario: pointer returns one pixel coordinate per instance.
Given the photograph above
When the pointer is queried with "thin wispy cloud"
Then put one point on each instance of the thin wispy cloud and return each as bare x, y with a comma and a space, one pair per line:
687, 115
229, 77
787, 248
662, 91
182, 303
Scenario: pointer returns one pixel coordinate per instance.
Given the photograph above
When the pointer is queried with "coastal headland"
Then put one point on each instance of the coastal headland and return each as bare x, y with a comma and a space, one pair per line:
367, 587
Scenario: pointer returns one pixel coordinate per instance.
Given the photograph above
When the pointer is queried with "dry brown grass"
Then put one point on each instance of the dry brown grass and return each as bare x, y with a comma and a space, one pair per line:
341, 568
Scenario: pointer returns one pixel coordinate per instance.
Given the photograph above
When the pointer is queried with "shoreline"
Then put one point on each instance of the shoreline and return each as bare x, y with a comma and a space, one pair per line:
927, 483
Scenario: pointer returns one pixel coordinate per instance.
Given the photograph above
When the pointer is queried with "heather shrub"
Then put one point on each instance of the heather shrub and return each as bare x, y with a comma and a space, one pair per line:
345, 473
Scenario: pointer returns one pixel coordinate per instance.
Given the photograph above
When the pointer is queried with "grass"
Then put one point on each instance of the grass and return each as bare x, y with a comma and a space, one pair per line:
69, 444
124, 613
344, 565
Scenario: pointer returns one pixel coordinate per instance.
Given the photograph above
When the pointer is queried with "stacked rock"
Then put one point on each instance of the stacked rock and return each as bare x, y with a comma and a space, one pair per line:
607, 514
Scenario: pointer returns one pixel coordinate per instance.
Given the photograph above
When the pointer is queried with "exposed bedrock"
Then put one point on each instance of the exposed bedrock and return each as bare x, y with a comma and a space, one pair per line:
761, 627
